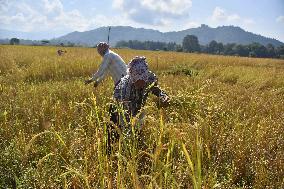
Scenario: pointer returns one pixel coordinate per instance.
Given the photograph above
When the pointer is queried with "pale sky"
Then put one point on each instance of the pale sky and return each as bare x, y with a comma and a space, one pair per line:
58, 17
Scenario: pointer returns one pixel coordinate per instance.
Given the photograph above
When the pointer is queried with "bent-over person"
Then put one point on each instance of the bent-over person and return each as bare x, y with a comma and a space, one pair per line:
112, 64
131, 94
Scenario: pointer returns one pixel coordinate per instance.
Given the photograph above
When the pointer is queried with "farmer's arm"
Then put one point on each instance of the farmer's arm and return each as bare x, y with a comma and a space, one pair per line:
102, 71
156, 90
153, 85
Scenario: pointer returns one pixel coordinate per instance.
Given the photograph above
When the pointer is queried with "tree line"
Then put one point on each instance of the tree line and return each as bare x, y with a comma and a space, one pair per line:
16, 41
148, 45
191, 44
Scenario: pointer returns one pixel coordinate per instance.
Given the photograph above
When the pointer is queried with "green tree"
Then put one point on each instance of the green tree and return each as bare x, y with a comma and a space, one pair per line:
280, 51
44, 42
271, 53
215, 48
220, 48
228, 49
190, 44
178, 48
14, 41
212, 47
241, 50
258, 49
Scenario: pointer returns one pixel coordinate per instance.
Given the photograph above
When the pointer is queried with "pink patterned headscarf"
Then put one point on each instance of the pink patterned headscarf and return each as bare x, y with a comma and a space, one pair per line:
138, 69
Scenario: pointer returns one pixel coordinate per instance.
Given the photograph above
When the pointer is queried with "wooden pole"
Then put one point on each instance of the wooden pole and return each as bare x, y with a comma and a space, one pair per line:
108, 35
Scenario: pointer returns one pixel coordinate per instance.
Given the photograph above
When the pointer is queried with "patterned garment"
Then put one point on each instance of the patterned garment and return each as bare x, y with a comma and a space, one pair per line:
134, 99
138, 69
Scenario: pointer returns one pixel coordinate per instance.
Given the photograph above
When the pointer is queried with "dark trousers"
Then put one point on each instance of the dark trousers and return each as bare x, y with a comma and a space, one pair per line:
112, 128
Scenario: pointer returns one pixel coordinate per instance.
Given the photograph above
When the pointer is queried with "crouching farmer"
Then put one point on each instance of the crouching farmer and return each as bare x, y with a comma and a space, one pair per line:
131, 94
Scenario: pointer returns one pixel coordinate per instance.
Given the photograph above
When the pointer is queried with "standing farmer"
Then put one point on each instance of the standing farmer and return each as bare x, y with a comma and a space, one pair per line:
112, 64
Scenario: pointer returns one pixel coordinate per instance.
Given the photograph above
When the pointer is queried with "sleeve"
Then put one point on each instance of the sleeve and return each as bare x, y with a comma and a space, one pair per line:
120, 90
155, 88
157, 91
100, 74
117, 94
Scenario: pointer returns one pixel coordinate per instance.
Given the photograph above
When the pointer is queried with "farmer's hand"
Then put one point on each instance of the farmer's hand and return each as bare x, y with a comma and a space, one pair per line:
164, 100
96, 84
88, 81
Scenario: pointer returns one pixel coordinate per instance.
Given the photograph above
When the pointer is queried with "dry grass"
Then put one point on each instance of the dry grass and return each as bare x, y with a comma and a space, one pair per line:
223, 128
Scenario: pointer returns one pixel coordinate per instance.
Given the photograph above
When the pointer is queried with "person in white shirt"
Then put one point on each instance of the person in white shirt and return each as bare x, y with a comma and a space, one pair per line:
112, 64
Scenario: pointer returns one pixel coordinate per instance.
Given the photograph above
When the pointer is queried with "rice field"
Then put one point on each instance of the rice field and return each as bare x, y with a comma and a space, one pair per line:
222, 129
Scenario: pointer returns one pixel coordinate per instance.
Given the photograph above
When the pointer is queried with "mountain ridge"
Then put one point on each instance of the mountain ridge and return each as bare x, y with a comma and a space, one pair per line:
205, 34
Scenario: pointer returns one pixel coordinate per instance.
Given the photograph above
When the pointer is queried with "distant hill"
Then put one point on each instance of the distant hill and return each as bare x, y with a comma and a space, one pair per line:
205, 34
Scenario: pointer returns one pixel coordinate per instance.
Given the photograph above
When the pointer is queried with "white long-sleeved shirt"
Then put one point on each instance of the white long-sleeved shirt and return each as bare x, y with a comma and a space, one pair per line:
112, 64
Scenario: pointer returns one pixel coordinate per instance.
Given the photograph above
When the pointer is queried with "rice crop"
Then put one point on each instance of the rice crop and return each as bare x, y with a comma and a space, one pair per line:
223, 127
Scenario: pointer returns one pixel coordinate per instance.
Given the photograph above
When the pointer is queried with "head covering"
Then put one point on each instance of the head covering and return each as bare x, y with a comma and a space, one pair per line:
138, 69
103, 47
